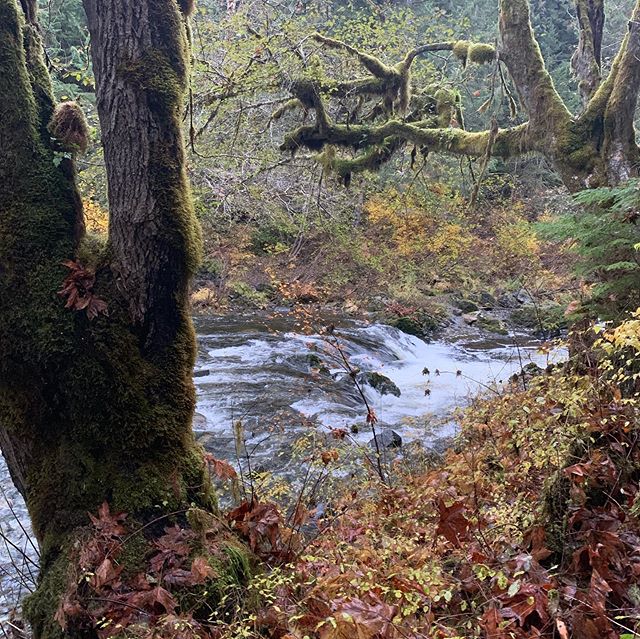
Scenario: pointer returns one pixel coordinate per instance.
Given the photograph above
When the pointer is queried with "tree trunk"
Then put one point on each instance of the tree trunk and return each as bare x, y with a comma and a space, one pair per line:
95, 410
587, 60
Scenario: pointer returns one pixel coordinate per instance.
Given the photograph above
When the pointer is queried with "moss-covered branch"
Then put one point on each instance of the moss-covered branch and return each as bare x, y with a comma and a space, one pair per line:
587, 60
508, 142
594, 148
391, 82
520, 51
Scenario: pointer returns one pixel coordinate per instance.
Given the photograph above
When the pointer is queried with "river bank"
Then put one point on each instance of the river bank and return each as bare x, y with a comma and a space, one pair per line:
279, 379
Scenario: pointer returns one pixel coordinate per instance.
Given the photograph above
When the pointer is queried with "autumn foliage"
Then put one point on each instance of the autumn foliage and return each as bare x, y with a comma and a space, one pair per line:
527, 528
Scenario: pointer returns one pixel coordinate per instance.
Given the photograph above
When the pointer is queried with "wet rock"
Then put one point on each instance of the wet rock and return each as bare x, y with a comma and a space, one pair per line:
382, 384
420, 323
315, 362
386, 439
199, 421
523, 297
466, 306
508, 300
471, 318
528, 372
487, 301
547, 320
492, 325
408, 325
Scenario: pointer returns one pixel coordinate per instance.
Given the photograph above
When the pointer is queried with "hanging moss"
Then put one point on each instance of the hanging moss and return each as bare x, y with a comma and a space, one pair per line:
481, 53
478, 53
461, 50
447, 101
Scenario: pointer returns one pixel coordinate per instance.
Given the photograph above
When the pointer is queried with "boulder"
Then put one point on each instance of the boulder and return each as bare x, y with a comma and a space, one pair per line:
466, 306
492, 325
408, 325
386, 439
508, 300
523, 297
382, 384
471, 318
487, 301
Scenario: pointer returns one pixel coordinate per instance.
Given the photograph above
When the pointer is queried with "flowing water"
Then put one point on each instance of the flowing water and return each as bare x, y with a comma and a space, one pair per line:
264, 372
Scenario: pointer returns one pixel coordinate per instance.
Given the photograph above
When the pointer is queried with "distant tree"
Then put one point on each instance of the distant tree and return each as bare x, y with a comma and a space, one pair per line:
386, 111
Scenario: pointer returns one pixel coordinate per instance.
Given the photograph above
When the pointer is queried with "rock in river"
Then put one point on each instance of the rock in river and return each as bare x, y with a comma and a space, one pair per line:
382, 384
387, 439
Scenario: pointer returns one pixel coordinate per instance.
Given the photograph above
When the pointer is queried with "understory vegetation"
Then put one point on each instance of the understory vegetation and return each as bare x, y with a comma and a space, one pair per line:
528, 526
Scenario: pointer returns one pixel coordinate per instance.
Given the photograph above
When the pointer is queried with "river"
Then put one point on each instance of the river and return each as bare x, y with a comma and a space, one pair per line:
277, 379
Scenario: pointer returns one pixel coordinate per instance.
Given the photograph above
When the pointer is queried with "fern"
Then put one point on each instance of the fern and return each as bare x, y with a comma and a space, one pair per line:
604, 232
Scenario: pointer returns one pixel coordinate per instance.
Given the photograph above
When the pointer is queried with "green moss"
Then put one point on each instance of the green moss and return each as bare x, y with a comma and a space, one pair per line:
447, 101
41, 606
132, 554
492, 325
461, 50
481, 53
97, 416
477, 53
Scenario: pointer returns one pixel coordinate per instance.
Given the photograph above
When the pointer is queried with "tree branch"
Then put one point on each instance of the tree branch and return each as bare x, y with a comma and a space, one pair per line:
508, 142
520, 51
587, 60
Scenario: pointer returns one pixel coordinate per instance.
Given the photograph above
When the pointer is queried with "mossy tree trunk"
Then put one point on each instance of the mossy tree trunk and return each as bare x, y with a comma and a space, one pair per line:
594, 148
95, 410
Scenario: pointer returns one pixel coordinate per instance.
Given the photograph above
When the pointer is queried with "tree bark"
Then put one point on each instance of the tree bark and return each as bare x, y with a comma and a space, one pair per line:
141, 82
98, 410
620, 148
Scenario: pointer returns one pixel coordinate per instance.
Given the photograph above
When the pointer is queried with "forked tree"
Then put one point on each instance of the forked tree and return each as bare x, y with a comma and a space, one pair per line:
97, 344
386, 112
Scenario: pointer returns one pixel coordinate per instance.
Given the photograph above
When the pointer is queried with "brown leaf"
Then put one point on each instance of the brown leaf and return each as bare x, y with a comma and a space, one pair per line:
492, 624
77, 288
221, 469
106, 573
328, 456
158, 600
360, 619
452, 525
201, 570
108, 524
